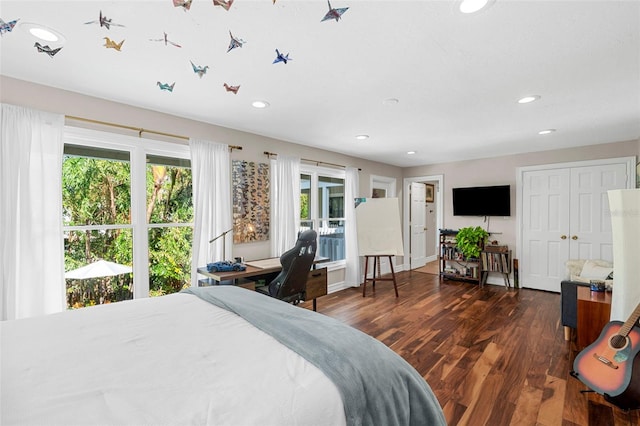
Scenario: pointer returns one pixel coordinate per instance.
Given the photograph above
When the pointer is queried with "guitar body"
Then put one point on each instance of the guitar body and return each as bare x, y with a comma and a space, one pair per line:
611, 372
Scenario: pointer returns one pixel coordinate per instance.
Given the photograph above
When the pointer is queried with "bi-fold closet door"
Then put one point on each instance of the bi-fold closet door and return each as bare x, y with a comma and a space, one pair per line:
565, 215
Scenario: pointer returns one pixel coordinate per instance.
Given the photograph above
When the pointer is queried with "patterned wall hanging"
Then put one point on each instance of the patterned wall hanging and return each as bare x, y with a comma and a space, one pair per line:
251, 201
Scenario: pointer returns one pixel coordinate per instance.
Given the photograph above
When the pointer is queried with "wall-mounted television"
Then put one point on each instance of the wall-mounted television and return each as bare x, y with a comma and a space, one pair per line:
482, 201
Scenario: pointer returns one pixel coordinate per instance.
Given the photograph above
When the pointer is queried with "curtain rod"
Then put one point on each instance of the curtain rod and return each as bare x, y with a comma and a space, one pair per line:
273, 154
140, 130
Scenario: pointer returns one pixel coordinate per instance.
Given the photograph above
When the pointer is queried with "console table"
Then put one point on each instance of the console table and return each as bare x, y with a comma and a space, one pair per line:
594, 311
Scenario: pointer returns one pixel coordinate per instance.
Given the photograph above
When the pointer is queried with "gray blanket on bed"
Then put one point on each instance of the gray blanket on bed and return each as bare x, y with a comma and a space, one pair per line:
378, 387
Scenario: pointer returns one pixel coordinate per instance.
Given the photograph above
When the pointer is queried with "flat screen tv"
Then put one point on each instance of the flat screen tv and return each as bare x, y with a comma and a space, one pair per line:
482, 201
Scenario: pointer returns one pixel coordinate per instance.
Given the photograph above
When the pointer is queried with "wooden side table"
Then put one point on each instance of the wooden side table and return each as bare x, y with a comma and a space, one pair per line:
594, 310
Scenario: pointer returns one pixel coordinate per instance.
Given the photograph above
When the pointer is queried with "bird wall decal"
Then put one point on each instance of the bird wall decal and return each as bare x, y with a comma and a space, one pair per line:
166, 86
46, 49
104, 22
233, 89
199, 70
110, 44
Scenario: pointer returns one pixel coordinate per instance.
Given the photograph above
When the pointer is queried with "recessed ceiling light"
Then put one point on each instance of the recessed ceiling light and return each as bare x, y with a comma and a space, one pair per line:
528, 99
260, 104
362, 137
473, 6
43, 33
390, 101
411, 152
546, 131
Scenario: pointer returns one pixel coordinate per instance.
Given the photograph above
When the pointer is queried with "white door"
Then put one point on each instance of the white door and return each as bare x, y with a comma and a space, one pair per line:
545, 224
590, 221
565, 215
418, 225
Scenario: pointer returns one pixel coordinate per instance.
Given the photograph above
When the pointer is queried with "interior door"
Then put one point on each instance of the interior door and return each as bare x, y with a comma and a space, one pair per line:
565, 215
418, 225
590, 221
545, 228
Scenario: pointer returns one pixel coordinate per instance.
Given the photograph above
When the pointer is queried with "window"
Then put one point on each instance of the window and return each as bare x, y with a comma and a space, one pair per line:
170, 218
322, 209
128, 201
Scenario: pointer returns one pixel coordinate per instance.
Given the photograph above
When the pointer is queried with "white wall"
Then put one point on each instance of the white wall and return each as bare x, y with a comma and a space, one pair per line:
18, 92
502, 171
490, 171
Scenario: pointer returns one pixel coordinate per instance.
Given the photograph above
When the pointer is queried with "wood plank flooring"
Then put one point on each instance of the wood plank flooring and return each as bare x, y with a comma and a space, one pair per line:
493, 356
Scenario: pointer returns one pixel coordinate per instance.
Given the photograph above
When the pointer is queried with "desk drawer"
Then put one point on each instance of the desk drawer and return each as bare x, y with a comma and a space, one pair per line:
316, 283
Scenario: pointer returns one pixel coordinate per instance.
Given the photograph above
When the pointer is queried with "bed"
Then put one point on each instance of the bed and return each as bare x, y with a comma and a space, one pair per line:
214, 355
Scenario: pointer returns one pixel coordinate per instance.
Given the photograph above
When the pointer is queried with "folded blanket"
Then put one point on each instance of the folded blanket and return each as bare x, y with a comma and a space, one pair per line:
376, 384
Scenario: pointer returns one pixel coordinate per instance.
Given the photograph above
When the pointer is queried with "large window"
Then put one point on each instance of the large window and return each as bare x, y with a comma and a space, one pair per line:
127, 201
322, 209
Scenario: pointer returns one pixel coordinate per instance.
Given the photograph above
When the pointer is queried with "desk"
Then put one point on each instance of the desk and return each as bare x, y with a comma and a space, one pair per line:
594, 310
316, 282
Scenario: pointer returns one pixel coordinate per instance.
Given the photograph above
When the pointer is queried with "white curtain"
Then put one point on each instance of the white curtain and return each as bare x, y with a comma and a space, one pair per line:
624, 205
351, 191
285, 203
31, 244
211, 171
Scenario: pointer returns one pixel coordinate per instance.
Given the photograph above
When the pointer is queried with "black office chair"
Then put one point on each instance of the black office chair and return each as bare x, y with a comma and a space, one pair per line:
290, 284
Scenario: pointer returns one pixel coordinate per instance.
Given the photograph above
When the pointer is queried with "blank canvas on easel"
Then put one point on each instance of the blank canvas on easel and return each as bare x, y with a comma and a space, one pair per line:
378, 227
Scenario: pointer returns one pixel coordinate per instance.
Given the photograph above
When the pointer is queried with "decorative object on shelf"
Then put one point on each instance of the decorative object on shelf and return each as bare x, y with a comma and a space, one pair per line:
225, 266
470, 241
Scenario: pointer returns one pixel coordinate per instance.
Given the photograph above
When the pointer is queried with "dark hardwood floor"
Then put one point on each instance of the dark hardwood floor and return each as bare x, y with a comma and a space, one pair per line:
492, 355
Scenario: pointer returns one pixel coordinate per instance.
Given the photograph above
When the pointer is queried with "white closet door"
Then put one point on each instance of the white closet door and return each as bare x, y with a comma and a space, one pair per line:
545, 225
590, 219
565, 215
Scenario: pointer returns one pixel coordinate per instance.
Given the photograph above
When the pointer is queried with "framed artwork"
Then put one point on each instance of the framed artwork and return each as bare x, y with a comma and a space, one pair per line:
429, 191
379, 193
251, 201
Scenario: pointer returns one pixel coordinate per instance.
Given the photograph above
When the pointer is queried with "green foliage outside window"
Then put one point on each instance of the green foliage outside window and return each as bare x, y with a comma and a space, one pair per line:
98, 192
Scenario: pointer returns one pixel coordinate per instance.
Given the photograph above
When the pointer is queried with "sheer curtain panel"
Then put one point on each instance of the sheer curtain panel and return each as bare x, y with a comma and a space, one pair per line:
211, 171
31, 243
285, 203
352, 260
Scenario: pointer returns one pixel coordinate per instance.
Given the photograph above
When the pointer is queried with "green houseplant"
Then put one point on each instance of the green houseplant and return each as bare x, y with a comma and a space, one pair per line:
470, 241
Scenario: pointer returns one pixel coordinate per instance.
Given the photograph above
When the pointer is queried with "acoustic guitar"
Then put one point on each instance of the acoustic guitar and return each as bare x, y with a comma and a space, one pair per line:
611, 365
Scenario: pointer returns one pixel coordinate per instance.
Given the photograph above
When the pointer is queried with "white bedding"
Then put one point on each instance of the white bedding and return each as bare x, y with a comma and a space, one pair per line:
172, 360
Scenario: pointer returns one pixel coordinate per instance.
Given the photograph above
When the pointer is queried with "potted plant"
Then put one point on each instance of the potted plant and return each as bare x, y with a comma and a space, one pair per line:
470, 241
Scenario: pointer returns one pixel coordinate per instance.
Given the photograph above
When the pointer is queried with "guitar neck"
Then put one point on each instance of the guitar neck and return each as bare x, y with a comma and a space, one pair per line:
628, 325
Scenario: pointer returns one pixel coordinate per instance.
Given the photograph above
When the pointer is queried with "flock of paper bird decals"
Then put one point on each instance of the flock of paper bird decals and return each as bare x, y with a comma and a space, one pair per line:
103, 21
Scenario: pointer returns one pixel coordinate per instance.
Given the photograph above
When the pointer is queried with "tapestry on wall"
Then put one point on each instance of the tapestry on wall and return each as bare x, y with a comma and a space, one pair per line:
250, 201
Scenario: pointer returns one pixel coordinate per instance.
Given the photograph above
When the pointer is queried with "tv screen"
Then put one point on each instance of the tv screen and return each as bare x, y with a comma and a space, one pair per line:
482, 201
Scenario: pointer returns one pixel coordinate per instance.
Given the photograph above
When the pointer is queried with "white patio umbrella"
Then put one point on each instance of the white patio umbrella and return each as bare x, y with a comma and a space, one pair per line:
100, 268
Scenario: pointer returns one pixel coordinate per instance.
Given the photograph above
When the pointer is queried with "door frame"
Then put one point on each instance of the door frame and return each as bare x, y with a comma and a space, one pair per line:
629, 162
406, 203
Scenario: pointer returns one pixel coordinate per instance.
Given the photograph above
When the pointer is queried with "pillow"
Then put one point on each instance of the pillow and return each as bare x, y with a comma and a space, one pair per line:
591, 270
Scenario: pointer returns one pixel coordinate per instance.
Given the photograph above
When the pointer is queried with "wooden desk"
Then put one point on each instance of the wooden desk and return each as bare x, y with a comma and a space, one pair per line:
594, 310
316, 282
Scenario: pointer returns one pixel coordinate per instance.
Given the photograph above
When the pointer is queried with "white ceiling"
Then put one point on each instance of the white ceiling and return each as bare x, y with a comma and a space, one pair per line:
457, 77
